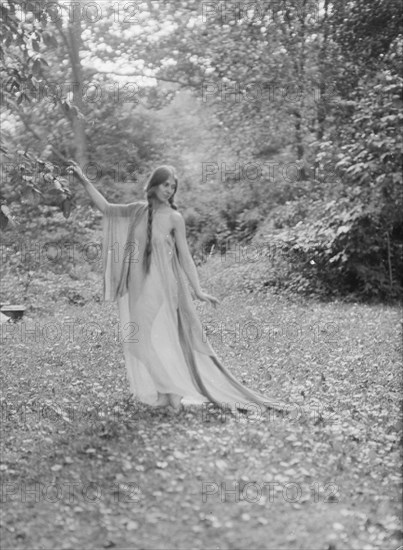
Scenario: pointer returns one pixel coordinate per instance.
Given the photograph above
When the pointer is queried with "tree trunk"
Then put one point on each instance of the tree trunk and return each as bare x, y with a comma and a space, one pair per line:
78, 124
321, 101
300, 70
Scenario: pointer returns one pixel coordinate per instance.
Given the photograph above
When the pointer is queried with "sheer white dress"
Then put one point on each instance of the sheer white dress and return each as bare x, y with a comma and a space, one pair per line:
165, 350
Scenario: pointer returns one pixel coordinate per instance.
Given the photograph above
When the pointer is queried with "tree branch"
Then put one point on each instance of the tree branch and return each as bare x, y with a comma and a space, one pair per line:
27, 125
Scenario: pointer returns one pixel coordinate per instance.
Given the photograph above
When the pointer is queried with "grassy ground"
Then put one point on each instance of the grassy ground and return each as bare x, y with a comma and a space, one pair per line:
85, 467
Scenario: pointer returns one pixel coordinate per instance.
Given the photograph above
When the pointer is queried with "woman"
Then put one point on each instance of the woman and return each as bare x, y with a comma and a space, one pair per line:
147, 268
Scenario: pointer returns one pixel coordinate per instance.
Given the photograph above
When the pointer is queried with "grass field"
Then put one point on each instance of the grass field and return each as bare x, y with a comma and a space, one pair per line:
85, 467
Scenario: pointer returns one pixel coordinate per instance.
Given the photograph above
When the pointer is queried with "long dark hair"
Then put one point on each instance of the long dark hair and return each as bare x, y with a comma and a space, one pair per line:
160, 175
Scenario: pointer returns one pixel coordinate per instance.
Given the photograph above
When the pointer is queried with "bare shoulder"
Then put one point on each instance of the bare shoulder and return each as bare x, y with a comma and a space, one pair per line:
177, 219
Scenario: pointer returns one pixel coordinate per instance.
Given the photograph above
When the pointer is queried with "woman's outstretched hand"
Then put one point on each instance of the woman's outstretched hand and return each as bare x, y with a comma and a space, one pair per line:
97, 198
204, 297
75, 169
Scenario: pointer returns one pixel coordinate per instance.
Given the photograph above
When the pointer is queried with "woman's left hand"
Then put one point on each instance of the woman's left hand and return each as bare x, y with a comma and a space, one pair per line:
204, 297
75, 169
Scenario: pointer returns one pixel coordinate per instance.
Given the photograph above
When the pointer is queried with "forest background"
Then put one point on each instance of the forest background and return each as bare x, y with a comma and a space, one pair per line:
281, 118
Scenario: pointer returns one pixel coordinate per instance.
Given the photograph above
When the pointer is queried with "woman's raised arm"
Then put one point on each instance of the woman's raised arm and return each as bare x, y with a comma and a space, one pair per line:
97, 198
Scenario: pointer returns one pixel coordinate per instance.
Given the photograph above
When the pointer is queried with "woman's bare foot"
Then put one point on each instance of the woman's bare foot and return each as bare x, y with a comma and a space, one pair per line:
162, 401
175, 401
173, 411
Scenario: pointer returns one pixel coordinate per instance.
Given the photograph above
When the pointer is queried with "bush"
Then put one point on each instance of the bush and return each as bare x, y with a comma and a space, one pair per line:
350, 250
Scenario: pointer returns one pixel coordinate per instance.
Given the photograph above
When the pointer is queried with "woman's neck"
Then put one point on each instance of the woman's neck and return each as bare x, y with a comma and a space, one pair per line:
159, 205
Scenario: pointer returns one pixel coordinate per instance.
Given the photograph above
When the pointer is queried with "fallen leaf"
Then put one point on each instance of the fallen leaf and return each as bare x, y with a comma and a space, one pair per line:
221, 464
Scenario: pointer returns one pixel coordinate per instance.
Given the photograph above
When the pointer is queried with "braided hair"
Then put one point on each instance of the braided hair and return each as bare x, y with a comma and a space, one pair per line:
160, 175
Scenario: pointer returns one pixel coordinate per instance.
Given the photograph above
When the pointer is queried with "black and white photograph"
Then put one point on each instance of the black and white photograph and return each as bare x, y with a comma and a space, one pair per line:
201, 277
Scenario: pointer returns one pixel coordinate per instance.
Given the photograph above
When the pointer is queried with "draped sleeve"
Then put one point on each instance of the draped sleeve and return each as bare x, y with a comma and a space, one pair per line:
117, 222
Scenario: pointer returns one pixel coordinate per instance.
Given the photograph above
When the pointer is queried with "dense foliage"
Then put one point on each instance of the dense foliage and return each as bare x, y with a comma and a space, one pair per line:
357, 245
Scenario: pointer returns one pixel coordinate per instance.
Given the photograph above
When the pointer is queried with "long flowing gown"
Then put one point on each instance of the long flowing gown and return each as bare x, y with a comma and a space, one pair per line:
164, 346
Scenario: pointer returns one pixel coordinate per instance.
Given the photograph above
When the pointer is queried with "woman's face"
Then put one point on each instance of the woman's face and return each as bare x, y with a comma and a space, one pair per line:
165, 190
